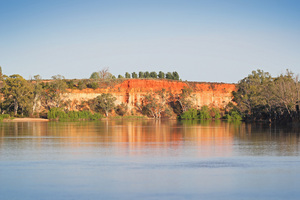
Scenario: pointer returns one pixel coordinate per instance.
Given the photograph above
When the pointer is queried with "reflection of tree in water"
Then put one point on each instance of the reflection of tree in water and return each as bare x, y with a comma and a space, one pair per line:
265, 139
211, 138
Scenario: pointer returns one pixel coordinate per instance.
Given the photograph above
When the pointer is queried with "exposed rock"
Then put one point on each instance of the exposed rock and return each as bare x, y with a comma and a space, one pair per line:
132, 92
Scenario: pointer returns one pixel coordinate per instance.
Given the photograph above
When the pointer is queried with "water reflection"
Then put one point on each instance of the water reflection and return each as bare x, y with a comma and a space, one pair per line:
264, 139
147, 159
136, 137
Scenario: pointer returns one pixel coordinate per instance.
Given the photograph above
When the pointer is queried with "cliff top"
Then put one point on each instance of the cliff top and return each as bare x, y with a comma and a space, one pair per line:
149, 85
146, 85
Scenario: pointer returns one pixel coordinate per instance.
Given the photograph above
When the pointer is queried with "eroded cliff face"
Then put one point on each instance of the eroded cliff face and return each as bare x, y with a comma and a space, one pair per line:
132, 91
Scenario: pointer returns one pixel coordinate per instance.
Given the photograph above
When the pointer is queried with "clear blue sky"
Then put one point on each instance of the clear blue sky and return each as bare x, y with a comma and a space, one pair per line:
217, 41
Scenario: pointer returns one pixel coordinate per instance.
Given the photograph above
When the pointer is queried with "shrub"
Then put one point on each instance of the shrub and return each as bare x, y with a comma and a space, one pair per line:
93, 85
189, 114
233, 115
56, 113
81, 85
59, 114
215, 113
84, 114
96, 116
204, 113
70, 84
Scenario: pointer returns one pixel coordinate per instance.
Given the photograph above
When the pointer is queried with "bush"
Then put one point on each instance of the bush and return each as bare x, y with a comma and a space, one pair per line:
59, 114
189, 114
233, 115
215, 113
96, 116
71, 84
204, 113
93, 85
56, 113
81, 85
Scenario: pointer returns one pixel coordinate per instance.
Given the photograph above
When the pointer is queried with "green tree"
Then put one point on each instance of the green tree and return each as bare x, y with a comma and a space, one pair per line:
141, 75
161, 75
95, 75
105, 103
134, 75
17, 92
261, 97
127, 75
153, 75
175, 75
169, 75
146, 74
120, 76
252, 94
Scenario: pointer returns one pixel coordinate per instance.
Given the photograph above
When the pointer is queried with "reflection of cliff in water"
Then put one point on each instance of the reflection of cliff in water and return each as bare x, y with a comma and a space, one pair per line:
134, 137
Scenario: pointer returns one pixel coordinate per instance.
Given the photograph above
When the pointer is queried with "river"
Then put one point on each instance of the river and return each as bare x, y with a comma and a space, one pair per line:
148, 159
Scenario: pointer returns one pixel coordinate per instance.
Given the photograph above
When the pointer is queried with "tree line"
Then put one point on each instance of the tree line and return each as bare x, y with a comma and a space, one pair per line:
160, 75
259, 96
104, 74
262, 97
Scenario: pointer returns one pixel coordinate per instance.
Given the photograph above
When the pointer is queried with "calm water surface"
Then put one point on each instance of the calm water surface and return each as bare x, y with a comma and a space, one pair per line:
148, 160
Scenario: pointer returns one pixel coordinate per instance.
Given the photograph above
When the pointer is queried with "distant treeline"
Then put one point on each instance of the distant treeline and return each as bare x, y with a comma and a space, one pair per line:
161, 75
105, 74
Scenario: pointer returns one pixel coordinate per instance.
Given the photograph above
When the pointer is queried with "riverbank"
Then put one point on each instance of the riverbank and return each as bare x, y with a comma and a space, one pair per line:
26, 119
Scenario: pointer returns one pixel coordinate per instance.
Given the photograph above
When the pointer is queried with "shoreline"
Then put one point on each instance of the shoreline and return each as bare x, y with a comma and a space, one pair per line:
26, 119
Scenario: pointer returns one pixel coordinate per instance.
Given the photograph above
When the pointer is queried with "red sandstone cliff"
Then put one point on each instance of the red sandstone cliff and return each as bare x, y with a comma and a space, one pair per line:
132, 91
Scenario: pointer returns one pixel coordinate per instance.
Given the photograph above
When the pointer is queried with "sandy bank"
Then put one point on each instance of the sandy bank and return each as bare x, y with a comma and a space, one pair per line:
26, 120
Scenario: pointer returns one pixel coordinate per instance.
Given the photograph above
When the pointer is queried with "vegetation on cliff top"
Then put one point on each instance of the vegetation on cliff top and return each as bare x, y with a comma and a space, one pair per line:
104, 74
